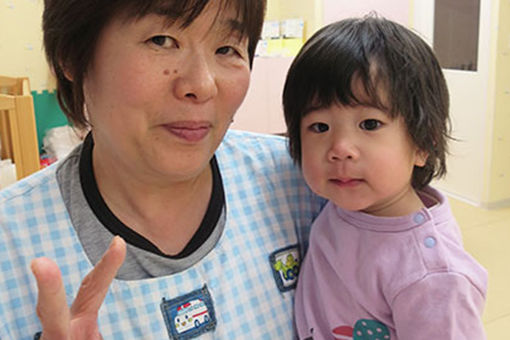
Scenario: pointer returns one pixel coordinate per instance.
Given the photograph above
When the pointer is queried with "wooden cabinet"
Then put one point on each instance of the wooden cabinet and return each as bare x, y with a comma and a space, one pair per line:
17, 126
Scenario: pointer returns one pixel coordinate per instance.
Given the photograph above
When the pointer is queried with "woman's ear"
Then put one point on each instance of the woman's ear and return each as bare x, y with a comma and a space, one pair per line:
65, 71
420, 158
68, 75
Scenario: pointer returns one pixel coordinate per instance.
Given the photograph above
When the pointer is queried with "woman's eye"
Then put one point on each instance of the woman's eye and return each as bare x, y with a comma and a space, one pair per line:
163, 41
225, 50
370, 124
319, 127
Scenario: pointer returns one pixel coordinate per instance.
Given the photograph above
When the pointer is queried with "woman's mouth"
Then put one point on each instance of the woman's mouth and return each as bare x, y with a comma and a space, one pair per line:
189, 131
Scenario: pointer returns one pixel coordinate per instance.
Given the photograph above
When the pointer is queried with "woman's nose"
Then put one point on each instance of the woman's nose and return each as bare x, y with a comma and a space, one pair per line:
196, 81
343, 148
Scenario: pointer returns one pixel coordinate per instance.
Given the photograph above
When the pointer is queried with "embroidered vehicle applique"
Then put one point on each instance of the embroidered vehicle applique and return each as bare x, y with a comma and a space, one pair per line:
190, 315
285, 264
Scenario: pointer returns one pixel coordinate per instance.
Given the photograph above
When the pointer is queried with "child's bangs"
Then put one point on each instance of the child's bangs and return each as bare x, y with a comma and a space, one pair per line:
352, 86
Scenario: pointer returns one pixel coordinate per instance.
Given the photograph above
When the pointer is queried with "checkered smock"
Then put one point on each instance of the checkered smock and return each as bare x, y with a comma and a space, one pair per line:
268, 208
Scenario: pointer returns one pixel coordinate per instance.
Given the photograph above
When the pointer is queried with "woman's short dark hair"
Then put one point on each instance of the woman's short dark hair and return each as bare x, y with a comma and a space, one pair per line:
389, 61
72, 27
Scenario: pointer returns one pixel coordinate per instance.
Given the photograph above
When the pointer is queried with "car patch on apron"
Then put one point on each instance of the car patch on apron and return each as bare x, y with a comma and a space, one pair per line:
285, 265
189, 315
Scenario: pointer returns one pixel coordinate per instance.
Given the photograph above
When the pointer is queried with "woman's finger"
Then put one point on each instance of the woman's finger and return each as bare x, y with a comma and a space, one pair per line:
52, 306
95, 285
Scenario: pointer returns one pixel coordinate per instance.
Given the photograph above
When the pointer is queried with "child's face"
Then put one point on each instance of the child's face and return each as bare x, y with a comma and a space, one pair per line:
361, 159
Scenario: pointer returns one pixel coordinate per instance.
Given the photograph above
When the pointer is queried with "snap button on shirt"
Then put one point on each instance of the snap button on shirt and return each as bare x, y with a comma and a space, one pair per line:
430, 242
419, 218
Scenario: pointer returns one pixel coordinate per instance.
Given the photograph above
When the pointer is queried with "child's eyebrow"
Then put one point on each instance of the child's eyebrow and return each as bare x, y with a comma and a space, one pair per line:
313, 106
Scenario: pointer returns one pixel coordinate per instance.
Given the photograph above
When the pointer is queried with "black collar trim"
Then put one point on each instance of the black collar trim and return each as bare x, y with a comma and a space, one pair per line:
116, 227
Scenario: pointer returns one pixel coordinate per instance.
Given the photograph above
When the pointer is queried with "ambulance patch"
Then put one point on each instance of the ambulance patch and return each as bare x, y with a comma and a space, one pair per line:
190, 315
285, 264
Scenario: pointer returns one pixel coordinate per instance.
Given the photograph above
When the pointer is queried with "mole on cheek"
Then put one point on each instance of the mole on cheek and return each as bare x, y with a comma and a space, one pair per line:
175, 71
166, 72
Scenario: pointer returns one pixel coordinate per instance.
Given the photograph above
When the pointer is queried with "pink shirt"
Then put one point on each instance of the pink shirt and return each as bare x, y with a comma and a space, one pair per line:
367, 277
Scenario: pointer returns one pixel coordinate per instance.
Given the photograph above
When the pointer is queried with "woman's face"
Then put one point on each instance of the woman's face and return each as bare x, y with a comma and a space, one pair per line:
160, 98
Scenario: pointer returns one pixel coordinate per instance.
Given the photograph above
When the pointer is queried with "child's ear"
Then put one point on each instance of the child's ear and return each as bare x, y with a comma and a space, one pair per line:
420, 158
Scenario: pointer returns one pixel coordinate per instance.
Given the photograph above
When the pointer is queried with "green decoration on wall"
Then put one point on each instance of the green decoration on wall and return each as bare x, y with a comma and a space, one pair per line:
47, 114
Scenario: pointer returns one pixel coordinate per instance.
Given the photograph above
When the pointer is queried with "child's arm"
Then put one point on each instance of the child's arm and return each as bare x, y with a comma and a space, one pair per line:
441, 306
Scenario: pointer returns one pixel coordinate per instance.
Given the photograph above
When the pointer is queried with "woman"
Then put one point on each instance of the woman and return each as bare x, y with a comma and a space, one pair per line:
211, 219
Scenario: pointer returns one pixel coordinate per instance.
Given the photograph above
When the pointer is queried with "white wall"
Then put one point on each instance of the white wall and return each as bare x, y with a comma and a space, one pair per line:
470, 109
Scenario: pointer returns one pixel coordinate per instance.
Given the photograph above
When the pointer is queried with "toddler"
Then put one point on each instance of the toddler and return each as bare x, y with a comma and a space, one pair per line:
366, 106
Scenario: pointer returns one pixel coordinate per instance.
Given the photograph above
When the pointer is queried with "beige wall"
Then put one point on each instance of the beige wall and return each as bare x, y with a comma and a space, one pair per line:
21, 52
499, 147
309, 10
397, 10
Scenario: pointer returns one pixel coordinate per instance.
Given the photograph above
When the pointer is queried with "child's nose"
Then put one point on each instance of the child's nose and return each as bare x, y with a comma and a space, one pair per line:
342, 149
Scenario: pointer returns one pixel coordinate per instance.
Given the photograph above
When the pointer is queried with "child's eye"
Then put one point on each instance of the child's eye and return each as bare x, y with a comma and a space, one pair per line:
319, 127
163, 41
370, 124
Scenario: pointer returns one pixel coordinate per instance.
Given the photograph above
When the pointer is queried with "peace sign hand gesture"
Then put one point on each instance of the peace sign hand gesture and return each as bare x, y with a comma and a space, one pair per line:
78, 322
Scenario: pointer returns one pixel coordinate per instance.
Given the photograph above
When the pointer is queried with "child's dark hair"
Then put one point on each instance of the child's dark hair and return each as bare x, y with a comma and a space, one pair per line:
382, 55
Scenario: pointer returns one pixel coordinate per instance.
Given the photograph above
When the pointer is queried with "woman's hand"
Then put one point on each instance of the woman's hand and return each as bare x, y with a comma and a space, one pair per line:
59, 322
